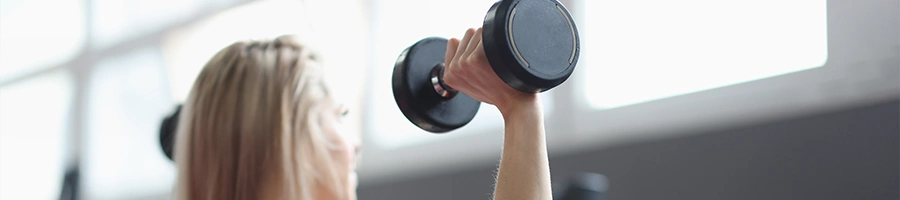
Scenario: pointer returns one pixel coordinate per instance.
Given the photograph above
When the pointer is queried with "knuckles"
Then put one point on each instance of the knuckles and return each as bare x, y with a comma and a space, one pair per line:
473, 60
465, 63
450, 75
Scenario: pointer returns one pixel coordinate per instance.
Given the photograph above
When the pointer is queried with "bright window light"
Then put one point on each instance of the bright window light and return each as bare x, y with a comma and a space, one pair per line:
127, 101
397, 25
117, 20
34, 119
188, 49
38, 34
638, 51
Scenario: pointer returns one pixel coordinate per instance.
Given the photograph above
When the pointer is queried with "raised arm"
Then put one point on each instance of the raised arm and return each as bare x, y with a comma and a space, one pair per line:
524, 168
524, 172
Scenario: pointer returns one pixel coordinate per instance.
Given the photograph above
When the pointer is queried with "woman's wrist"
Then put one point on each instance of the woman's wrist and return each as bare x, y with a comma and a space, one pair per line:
521, 105
524, 171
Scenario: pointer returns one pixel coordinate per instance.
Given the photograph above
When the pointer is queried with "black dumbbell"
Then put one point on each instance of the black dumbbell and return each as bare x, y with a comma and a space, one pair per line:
167, 133
532, 45
585, 186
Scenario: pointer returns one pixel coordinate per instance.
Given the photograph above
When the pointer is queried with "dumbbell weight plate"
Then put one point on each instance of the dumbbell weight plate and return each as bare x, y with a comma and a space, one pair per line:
533, 45
416, 97
167, 133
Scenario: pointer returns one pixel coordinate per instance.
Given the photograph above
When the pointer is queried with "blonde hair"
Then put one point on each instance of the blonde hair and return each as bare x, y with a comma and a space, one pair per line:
250, 126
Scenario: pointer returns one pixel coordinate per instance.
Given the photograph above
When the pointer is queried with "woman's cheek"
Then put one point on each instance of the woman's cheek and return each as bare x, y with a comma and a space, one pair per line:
348, 145
346, 150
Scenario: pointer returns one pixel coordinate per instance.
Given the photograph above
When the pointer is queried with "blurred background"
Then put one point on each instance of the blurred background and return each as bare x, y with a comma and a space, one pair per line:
692, 99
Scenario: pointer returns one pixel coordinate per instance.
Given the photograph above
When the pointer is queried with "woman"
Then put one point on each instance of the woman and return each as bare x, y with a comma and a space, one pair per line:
260, 123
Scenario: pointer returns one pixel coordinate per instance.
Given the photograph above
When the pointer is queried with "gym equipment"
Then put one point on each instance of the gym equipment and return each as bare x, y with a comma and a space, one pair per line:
167, 133
532, 45
585, 186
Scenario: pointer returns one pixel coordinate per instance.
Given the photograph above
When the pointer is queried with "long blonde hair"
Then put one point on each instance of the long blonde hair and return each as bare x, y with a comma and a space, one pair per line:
250, 126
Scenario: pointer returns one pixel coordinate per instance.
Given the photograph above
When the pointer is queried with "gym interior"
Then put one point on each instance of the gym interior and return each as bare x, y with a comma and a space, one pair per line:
677, 100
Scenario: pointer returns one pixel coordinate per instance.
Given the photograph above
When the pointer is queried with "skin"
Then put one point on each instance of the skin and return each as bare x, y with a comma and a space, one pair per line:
524, 171
524, 167
345, 152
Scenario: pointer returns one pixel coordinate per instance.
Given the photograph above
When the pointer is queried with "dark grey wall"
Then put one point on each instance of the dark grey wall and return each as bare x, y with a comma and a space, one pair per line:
850, 154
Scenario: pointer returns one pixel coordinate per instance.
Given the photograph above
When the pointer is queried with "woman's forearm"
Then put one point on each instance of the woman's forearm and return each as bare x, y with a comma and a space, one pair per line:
524, 172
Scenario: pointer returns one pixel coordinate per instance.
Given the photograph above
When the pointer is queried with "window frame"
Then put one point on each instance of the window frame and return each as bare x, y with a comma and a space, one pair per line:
828, 87
81, 65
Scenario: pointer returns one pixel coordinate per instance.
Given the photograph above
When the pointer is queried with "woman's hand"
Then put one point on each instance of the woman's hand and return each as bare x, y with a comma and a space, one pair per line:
467, 70
524, 171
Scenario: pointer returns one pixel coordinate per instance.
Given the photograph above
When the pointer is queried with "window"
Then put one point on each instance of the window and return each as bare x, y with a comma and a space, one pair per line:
397, 25
33, 130
36, 36
188, 48
640, 51
115, 21
127, 101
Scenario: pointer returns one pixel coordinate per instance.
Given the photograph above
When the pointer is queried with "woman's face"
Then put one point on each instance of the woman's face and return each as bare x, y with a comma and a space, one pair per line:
347, 144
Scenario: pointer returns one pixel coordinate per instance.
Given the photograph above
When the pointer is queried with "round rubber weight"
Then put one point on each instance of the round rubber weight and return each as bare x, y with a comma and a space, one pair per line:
533, 45
167, 133
415, 95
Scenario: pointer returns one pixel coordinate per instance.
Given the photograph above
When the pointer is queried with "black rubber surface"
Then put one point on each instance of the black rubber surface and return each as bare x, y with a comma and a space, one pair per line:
417, 99
533, 45
167, 133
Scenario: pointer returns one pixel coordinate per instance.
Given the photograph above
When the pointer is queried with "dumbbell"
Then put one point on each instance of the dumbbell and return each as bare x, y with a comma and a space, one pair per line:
532, 45
167, 132
585, 186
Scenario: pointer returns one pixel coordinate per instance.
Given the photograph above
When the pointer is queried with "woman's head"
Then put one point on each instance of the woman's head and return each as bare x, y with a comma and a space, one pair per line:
260, 123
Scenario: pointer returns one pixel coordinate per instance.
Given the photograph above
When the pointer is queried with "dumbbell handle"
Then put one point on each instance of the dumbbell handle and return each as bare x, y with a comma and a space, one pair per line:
437, 82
